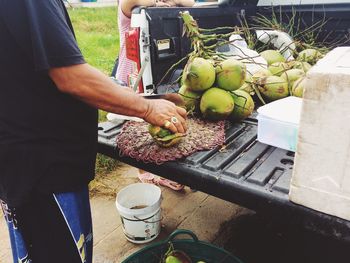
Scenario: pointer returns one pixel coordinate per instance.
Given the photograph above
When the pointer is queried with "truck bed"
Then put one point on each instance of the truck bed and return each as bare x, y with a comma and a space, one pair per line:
245, 171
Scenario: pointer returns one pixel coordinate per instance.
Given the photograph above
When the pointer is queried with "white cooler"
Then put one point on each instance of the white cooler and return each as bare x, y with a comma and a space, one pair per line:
321, 173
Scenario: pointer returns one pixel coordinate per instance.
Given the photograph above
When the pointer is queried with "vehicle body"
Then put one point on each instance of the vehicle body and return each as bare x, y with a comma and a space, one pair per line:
248, 172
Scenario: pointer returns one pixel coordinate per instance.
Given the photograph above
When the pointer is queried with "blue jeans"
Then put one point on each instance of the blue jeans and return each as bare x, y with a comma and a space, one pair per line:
51, 228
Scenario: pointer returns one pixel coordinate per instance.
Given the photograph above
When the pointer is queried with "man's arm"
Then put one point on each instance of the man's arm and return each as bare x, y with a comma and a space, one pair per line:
93, 87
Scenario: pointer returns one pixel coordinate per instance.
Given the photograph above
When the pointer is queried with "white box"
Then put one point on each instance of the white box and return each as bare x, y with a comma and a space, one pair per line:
321, 174
278, 123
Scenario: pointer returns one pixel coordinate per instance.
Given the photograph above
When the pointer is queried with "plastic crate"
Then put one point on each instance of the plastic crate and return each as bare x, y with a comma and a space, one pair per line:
195, 249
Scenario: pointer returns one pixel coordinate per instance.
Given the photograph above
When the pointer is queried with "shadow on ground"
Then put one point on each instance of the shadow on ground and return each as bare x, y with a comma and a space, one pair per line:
257, 239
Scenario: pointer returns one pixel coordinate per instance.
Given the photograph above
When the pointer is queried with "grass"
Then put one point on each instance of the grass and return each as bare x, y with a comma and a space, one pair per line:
97, 34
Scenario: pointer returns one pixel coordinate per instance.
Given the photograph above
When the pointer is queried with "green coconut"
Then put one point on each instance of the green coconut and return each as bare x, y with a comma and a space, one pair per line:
199, 74
244, 105
273, 88
299, 87
309, 55
216, 104
248, 77
262, 73
177, 256
248, 85
304, 66
278, 68
230, 74
190, 97
272, 56
292, 75
164, 137
172, 259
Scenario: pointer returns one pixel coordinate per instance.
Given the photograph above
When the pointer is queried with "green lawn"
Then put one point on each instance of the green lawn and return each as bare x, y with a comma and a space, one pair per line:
97, 34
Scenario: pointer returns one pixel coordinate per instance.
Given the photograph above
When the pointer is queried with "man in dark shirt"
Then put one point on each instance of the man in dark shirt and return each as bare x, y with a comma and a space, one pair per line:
48, 130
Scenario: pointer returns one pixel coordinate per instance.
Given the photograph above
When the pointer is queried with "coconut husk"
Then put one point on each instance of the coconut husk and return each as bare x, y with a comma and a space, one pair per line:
136, 142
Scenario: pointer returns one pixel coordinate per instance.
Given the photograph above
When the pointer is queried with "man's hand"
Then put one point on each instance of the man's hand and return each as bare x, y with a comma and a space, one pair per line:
160, 112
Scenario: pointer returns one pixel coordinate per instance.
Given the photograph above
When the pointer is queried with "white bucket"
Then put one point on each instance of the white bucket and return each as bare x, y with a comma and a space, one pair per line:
139, 209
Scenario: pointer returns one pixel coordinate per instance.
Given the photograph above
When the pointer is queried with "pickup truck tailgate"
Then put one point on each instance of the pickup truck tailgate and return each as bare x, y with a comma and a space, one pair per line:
244, 171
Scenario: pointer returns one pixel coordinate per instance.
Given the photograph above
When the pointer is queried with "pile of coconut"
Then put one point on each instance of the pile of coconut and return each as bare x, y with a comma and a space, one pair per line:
226, 90
227, 85
231, 71
215, 91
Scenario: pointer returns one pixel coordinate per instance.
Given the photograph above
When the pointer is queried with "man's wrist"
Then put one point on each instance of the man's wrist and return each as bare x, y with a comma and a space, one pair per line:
145, 108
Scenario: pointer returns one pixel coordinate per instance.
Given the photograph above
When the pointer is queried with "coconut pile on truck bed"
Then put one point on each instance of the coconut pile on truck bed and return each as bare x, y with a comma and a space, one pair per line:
224, 85
263, 64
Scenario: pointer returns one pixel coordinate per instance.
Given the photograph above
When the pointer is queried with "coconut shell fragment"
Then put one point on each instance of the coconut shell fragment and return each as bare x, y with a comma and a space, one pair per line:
164, 137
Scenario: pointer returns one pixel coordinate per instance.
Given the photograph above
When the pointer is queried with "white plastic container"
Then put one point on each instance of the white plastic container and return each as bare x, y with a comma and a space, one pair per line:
139, 209
278, 123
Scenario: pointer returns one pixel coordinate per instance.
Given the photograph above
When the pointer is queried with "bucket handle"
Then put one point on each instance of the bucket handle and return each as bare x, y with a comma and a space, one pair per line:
182, 232
149, 222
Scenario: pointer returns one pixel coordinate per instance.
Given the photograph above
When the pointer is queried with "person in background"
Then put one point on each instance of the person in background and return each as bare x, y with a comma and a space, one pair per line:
125, 66
48, 131
125, 7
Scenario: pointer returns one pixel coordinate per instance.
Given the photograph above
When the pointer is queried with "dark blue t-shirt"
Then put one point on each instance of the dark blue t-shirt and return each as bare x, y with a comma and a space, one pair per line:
48, 139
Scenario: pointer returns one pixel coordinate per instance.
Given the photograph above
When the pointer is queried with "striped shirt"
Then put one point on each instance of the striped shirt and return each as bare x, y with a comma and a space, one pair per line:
125, 65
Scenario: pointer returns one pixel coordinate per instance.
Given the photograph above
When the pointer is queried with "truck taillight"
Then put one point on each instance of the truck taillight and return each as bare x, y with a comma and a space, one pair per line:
133, 53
